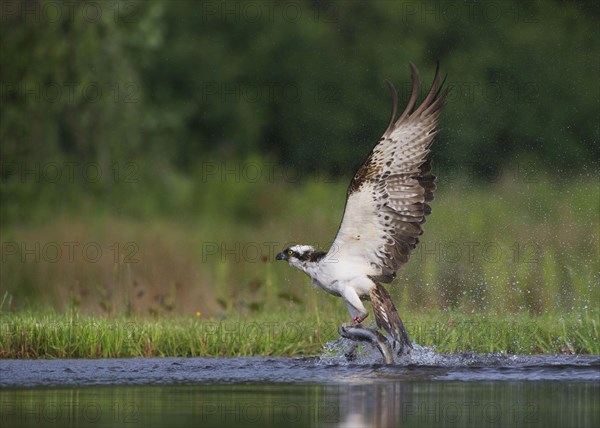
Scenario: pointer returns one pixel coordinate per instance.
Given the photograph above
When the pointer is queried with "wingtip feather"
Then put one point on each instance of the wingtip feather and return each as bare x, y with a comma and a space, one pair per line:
394, 105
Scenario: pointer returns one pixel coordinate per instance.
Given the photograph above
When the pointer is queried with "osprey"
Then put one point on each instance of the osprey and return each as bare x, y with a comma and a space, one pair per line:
386, 205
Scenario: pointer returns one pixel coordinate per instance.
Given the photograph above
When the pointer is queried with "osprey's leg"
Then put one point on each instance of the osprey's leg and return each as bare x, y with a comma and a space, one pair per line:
357, 310
356, 332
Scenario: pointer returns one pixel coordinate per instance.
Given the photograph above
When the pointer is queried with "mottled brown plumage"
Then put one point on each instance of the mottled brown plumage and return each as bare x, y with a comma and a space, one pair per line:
386, 205
387, 318
397, 175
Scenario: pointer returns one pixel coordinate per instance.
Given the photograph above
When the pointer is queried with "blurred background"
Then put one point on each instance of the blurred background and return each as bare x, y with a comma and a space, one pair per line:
156, 155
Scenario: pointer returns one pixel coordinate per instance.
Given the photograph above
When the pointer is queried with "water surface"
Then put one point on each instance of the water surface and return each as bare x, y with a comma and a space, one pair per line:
428, 389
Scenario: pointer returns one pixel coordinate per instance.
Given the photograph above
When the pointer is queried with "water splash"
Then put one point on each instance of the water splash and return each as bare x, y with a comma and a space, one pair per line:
344, 352
336, 353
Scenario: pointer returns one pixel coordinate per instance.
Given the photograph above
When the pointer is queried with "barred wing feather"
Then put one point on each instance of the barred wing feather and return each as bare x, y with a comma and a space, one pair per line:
388, 197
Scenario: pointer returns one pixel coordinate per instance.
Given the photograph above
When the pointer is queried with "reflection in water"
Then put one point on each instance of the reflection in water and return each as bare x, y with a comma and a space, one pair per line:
429, 390
380, 404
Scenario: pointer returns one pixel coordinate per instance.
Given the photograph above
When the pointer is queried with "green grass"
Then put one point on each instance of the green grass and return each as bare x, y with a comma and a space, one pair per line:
510, 246
512, 263
64, 335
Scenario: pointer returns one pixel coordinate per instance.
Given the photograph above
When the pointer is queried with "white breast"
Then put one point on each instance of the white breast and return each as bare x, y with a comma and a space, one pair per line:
333, 275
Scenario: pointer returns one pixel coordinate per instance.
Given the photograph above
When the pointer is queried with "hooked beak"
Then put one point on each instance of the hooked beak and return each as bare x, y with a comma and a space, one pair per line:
280, 256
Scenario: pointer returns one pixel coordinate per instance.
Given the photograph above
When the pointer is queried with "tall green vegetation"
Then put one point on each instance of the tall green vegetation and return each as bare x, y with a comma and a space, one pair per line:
154, 155
71, 335
173, 81
509, 246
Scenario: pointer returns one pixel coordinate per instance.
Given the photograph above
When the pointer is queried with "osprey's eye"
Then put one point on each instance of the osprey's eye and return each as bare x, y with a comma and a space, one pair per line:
290, 252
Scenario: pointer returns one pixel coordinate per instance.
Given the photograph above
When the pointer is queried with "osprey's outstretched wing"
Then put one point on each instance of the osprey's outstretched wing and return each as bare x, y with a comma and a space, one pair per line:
387, 198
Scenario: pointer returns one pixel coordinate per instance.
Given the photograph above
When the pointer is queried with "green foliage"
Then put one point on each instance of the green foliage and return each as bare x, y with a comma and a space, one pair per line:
70, 91
71, 335
521, 244
140, 131
302, 81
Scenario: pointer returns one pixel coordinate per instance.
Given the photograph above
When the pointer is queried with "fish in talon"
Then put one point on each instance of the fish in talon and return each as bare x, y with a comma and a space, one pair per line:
372, 336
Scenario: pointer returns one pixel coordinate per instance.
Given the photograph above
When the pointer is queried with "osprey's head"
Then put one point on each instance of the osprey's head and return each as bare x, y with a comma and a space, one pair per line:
299, 255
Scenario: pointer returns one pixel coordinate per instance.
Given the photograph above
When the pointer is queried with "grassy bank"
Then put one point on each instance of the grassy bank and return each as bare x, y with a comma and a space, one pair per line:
518, 244
62, 335
509, 265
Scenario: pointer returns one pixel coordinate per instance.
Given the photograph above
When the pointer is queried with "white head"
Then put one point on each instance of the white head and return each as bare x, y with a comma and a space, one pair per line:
300, 255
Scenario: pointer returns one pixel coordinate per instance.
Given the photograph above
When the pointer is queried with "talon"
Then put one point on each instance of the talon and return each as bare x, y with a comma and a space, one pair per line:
347, 325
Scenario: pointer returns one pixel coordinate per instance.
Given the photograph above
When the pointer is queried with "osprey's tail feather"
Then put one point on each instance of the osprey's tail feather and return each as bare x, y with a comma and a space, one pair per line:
387, 318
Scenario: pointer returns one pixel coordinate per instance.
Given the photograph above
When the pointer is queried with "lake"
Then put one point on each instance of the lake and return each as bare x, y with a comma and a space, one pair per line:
428, 389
